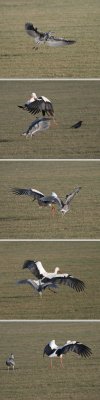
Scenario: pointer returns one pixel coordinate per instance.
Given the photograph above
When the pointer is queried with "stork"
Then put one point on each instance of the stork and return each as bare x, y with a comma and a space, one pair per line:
38, 270
46, 37
38, 285
69, 197
52, 350
38, 104
40, 124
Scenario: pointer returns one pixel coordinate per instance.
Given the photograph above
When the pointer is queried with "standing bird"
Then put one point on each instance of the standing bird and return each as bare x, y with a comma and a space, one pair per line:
77, 125
10, 362
69, 197
38, 104
38, 270
52, 350
46, 37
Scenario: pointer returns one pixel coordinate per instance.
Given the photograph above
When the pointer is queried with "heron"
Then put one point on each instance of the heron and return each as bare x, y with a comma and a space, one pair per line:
10, 362
38, 285
39, 124
46, 37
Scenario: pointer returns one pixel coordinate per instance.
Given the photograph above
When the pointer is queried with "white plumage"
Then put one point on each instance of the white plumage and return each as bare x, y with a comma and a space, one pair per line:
10, 362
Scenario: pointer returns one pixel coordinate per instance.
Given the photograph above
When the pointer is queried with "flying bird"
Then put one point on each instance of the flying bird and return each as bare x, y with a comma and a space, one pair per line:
38, 104
40, 124
38, 270
38, 285
10, 362
77, 125
39, 196
52, 350
69, 197
46, 37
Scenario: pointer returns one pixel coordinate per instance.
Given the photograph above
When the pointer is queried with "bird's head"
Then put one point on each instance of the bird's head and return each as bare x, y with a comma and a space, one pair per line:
57, 269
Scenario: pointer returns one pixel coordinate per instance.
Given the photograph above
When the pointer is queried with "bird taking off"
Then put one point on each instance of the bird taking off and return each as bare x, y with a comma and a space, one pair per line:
10, 362
46, 37
38, 104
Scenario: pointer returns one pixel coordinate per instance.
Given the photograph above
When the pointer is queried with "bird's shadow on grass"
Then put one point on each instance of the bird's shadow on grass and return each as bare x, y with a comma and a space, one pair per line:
5, 140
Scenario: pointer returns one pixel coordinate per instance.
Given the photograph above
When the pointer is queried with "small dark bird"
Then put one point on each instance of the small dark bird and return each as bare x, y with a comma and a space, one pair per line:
77, 125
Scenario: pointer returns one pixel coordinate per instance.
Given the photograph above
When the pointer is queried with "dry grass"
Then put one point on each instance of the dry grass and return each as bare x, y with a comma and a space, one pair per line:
80, 259
33, 377
73, 101
76, 20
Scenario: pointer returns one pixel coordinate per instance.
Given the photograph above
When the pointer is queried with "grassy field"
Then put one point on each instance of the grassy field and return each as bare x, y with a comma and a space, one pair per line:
73, 101
33, 377
81, 259
21, 218
76, 20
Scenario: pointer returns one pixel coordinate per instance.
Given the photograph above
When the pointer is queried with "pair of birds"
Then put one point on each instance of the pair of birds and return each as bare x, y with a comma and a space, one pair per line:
52, 351
41, 104
50, 200
49, 280
46, 37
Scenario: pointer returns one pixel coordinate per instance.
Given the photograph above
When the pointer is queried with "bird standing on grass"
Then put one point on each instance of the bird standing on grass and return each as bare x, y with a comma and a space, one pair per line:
52, 350
10, 362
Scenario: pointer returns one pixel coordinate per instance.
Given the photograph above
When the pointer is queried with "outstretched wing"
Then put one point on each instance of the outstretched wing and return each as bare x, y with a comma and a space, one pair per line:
31, 30
71, 195
79, 348
55, 42
29, 282
68, 280
28, 192
35, 267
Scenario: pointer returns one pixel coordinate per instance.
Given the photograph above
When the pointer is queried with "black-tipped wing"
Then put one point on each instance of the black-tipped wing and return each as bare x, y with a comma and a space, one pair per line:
48, 351
76, 347
68, 280
34, 268
29, 282
31, 30
28, 192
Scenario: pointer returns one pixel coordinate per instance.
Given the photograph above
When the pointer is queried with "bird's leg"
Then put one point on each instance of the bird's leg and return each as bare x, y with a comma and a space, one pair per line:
61, 362
50, 362
53, 210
